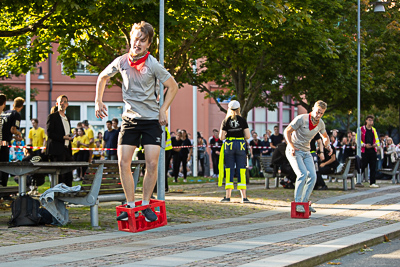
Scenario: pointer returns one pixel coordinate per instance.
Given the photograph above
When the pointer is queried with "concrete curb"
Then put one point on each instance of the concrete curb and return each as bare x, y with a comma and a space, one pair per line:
316, 260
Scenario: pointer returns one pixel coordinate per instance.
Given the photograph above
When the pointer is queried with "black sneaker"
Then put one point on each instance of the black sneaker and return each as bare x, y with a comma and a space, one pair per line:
225, 199
245, 200
149, 215
123, 216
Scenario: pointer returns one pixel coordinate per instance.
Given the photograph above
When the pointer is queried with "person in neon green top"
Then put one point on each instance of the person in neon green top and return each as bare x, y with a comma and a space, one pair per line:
90, 135
38, 137
81, 141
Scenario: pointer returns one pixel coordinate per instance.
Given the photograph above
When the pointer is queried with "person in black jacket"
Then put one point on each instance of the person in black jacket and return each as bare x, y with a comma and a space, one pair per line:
58, 146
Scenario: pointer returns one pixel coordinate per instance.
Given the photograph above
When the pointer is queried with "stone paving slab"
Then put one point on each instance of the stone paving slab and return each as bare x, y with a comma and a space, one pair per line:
250, 240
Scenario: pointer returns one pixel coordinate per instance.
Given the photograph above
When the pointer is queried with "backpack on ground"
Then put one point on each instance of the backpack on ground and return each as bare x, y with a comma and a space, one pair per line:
25, 212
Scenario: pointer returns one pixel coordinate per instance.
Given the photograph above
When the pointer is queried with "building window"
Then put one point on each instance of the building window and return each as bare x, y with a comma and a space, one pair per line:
83, 69
74, 112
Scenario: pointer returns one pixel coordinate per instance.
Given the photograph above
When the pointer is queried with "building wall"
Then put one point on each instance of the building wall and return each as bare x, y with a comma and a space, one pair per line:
81, 91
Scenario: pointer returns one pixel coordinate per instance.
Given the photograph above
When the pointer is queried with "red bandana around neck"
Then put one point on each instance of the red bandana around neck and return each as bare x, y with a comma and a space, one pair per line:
311, 126
138, 64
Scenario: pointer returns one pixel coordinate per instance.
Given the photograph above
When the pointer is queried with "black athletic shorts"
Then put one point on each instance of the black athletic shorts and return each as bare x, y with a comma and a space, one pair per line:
135, 132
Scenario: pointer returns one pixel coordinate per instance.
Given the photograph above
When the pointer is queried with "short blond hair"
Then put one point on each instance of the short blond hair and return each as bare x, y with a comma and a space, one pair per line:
321, 104
19, 102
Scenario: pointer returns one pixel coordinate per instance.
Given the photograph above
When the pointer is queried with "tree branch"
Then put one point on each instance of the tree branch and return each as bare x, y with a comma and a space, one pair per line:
30, 28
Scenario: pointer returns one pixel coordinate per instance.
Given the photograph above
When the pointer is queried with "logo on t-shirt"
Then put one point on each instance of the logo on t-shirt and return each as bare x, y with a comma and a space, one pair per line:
143, 70
234, 124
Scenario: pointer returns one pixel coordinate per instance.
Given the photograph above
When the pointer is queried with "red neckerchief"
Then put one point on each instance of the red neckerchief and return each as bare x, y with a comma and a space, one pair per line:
138, 64
311, 126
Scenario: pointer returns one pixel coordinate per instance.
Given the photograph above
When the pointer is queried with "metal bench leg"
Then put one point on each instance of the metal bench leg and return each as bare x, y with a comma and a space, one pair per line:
353, 186
94, 214
393, 178
330, 179
277, 182
344, 183
266, 181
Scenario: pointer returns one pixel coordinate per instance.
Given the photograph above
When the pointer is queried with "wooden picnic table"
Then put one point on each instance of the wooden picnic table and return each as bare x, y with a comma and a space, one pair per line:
22, 169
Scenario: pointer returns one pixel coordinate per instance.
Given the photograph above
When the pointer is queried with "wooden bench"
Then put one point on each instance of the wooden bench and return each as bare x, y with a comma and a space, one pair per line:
394, 172
101, 184
8, 190
346, 173
268, 171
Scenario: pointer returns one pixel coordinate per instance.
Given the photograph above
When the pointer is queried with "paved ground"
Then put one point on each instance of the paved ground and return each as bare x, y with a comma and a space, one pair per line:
265, 235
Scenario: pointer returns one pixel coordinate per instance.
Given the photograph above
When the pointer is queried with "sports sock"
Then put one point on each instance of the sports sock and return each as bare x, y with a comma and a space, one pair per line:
145, 202
131, 204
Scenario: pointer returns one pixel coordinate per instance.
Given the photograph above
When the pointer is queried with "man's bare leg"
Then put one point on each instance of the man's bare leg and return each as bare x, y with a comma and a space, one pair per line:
152, 153
125, 153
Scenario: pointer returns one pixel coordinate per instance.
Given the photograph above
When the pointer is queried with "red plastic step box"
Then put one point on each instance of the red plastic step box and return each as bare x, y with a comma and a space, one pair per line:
300, 215
139, 224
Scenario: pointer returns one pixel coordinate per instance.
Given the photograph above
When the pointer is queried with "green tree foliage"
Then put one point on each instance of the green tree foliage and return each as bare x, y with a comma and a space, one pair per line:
14, 92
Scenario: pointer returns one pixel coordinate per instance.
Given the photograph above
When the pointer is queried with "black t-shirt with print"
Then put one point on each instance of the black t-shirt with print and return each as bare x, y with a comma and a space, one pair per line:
234, 128
10, 118
175, 142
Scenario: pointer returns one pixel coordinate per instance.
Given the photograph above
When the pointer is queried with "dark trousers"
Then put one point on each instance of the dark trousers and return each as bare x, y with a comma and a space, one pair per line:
369, 159
178, 159
235, 162
256, 161
202, 166
82, 155
215, 161
4, 157
65, 178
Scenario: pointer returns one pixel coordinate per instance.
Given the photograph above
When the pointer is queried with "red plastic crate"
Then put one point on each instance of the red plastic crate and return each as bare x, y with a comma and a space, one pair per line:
300, 215
139, 224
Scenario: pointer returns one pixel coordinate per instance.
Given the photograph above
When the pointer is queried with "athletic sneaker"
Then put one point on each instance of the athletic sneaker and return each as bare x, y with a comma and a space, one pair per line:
300, 208
374, 186
225, 199
245, 200
123, 216
149, 215
312, 209
77, 179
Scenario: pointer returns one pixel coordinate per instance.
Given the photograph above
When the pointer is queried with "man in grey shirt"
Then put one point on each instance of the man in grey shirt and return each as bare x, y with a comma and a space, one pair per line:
143, 118
298, 135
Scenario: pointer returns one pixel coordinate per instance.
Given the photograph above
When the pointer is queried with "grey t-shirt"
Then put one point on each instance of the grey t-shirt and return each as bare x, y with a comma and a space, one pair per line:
139, 87
302, 135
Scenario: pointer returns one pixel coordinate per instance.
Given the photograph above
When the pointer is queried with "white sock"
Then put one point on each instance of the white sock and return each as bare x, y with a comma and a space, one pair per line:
131, 204
145, 202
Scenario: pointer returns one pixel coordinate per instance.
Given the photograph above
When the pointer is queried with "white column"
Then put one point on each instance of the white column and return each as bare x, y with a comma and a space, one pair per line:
27, 105
194, 155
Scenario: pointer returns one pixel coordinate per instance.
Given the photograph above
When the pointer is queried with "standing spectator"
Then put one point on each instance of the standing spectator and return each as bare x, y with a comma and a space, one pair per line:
11, 123
215, 144
111, 141
185, 153
266, 150
37, 137
176, 158
255, 152
59, 136
115, 126
97, 154
298, 135
235, 130
82, 141
89, 133
99, 138
201, 149
276, 138
369, 144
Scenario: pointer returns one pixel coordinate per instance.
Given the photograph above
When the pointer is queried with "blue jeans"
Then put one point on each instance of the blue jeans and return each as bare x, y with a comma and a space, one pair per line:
303, 166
